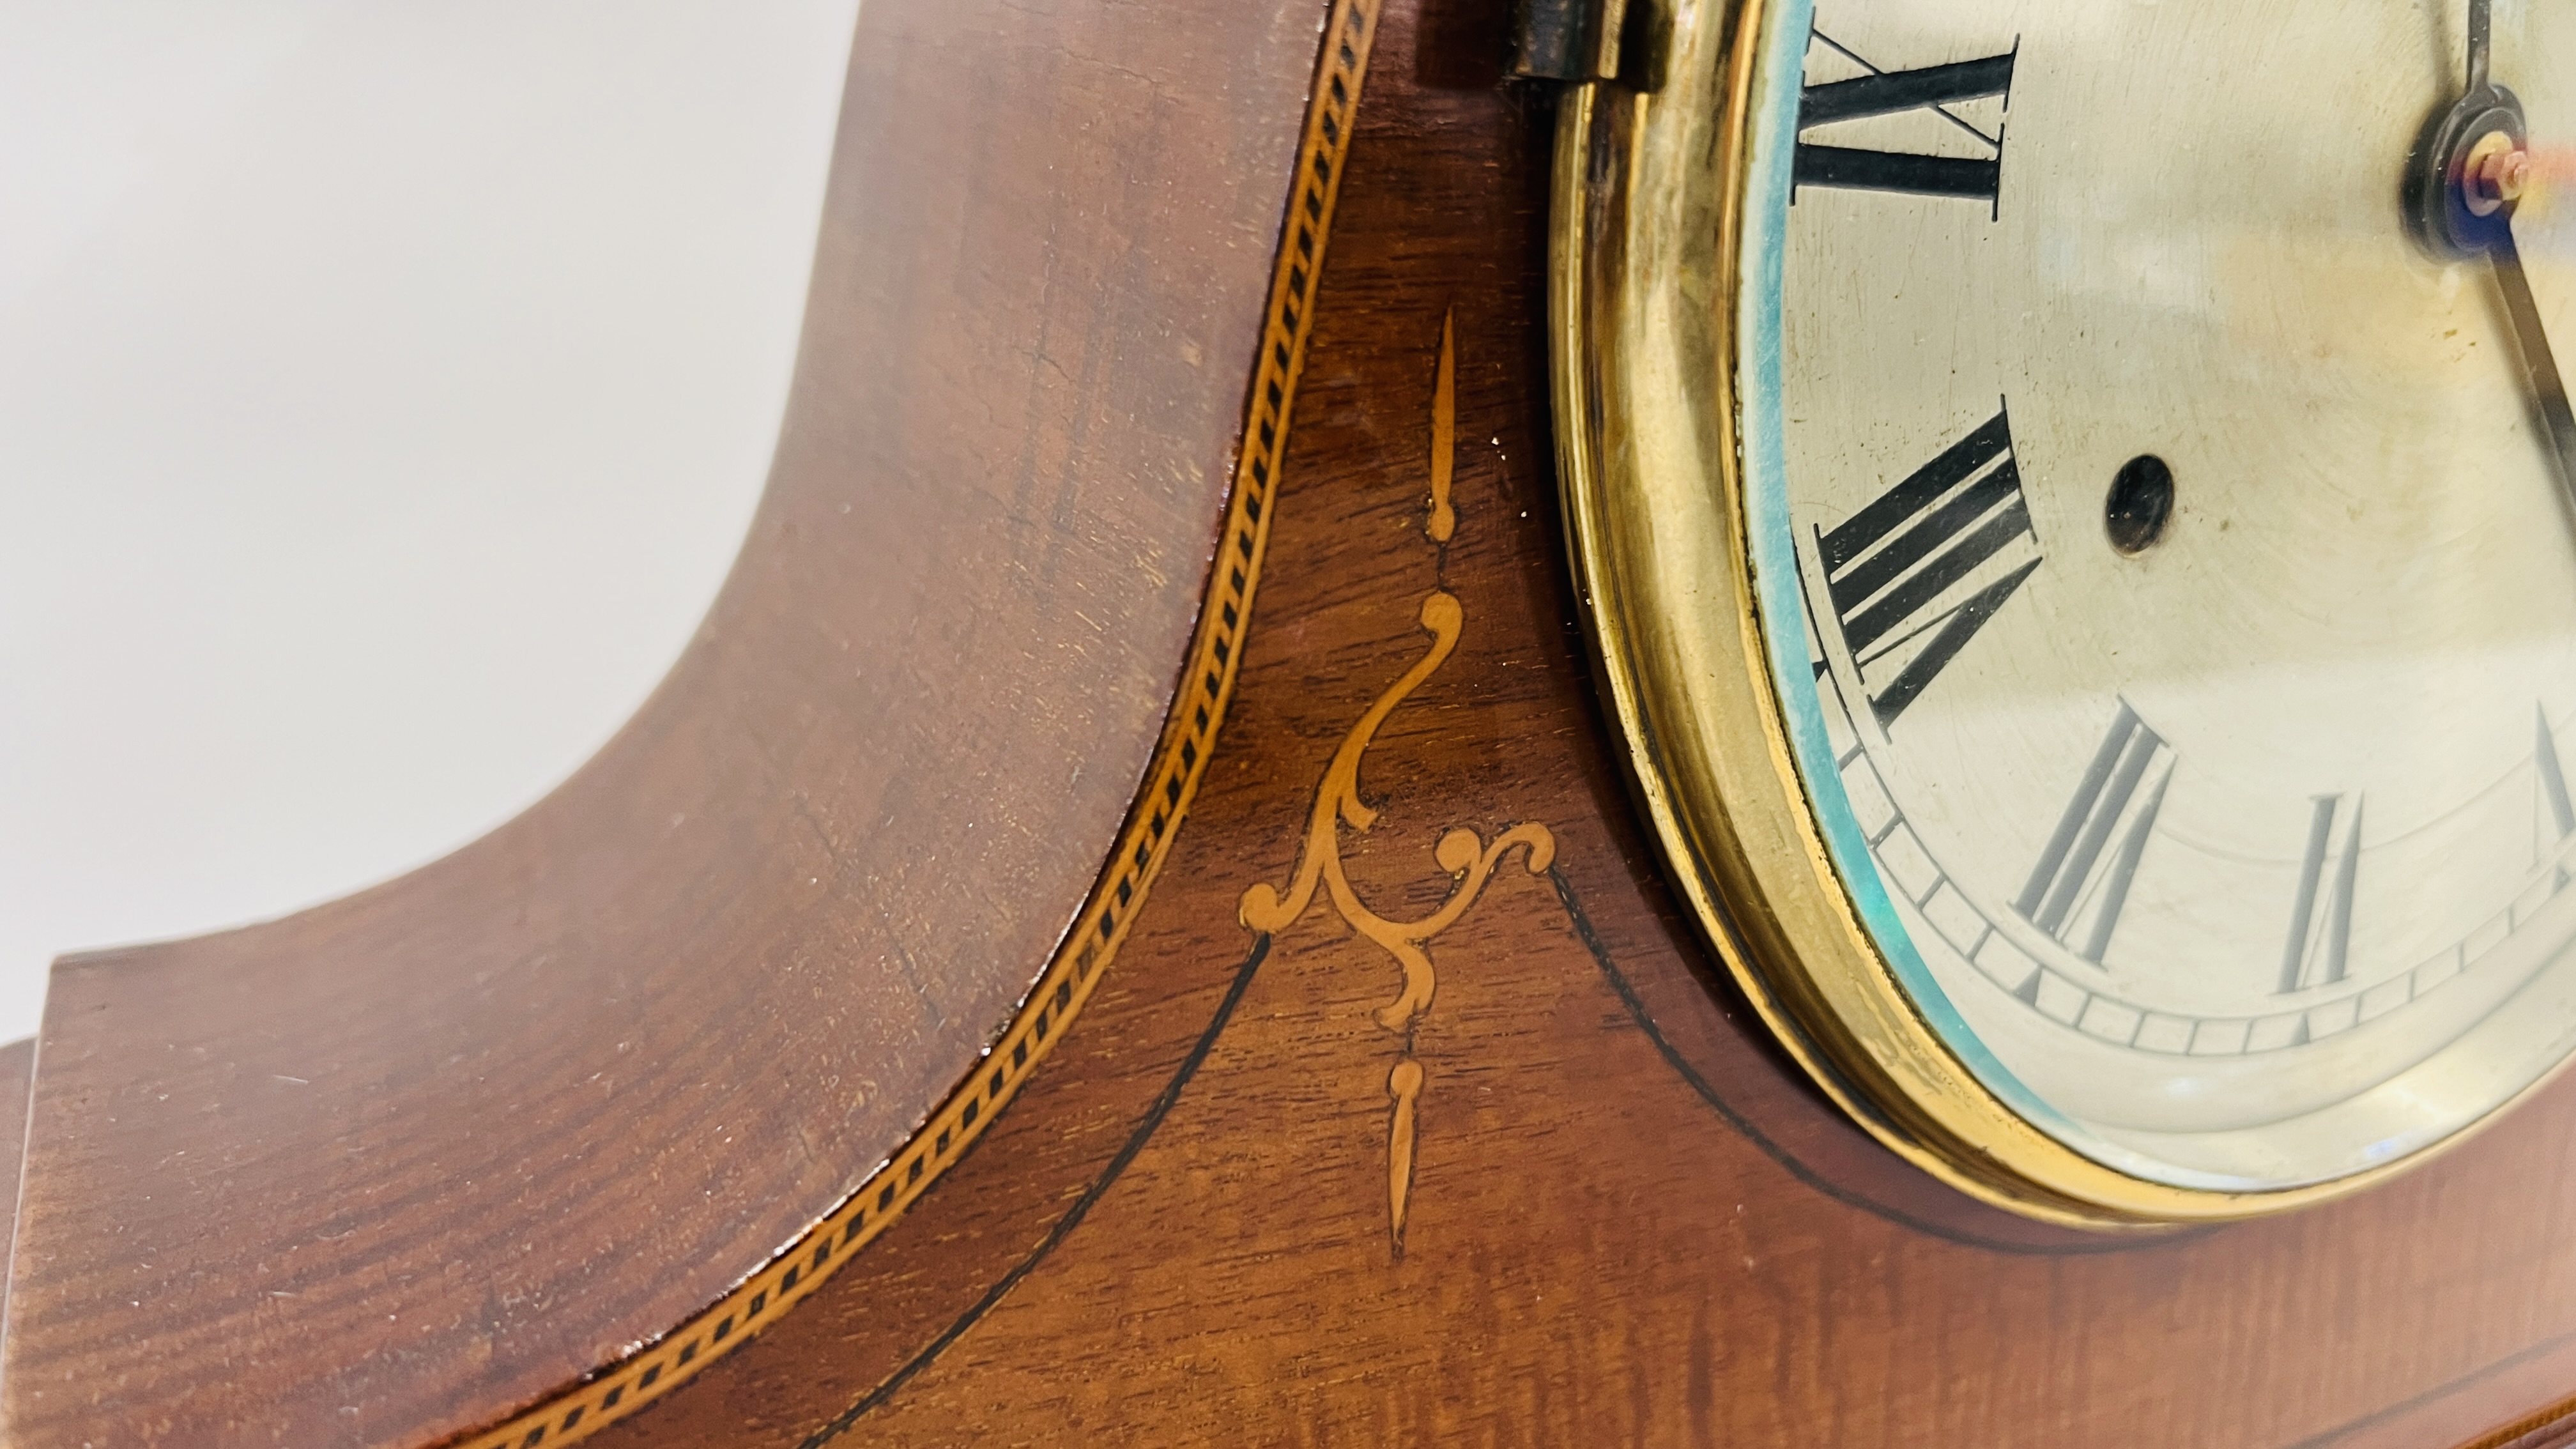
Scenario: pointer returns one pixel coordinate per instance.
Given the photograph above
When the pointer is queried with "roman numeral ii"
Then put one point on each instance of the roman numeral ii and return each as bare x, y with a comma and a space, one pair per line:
1893, 568
1883, 93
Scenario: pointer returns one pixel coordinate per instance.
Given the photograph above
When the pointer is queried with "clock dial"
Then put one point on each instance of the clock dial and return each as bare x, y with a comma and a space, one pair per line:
2175, 594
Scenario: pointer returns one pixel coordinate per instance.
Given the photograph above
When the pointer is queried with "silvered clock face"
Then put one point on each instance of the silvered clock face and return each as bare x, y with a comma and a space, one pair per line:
2166, 564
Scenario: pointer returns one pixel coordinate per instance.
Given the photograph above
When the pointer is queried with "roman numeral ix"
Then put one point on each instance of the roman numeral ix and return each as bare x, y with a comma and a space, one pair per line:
1890, 567
1883, 93
2321, 929
2076, 886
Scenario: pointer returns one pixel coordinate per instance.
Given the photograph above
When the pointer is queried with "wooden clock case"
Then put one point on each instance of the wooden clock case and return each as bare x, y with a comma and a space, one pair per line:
1128, 925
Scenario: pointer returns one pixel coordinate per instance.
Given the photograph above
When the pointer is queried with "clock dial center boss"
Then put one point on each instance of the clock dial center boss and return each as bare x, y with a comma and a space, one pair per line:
2088, 582
2465, 183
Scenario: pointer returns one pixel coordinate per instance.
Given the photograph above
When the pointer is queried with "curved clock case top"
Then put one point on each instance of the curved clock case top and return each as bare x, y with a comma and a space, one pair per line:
2074, 508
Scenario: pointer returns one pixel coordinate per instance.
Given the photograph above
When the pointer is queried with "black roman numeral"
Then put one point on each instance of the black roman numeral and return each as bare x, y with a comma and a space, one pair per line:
2073, 886
1883, 93
1889, 567
2321, 929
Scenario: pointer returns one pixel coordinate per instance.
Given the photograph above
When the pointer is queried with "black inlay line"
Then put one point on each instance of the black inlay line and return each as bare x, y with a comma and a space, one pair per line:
2443, 1391
1145, 1127
1189, 1066
1690, 1075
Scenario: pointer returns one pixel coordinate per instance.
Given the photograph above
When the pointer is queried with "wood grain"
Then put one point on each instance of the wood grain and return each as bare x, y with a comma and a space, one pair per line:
17, 1068
383, 1171
1628, 1221
1474, 1146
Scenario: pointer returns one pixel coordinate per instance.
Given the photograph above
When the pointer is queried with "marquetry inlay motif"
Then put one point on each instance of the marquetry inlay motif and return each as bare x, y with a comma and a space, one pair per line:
1470, 860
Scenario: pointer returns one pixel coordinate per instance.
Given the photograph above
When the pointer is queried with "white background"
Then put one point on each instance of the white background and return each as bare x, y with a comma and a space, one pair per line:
385, 386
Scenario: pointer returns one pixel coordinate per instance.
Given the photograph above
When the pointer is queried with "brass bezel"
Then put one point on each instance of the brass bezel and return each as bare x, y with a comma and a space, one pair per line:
1650, 189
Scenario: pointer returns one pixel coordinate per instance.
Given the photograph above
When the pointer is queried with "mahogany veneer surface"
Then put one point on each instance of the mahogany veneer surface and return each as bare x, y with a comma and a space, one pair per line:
1628, 1220
1579, 1199
17, 1064
381, 1171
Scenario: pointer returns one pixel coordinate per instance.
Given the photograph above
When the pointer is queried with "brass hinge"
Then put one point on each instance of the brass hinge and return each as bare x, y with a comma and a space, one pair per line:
1567, 40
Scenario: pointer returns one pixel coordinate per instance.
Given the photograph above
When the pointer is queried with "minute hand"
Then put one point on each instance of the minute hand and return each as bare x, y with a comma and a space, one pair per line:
2479, 32
2539, 364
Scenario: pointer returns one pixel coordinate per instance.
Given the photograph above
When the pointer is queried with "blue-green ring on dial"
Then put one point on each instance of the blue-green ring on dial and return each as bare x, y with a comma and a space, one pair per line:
1669, 237
1776, 87
1758, 389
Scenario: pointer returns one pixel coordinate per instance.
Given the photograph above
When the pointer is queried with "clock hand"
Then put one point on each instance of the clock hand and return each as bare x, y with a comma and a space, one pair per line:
2539, 364
2465, 182
2478, 29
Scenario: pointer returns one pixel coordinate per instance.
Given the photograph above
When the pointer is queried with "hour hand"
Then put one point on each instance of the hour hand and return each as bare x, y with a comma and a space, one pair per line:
2539, 364
2479, 31
2478, 192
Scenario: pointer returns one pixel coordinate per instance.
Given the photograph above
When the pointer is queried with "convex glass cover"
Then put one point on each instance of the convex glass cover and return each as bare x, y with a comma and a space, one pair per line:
2076, 506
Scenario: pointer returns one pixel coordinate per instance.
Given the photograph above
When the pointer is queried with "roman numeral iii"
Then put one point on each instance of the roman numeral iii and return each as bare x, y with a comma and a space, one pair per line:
1884, 93
2082, 881
1895, 569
